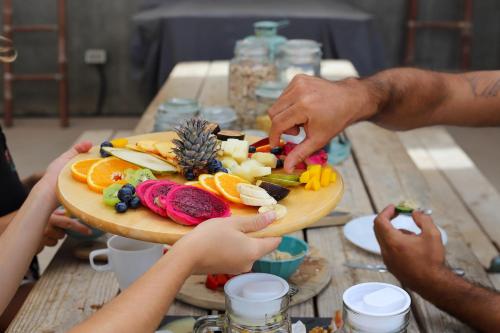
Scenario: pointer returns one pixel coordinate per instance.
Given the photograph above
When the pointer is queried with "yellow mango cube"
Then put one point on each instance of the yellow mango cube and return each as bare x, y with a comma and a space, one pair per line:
315, 170
326, 174
304, 177
316, 184
333, 177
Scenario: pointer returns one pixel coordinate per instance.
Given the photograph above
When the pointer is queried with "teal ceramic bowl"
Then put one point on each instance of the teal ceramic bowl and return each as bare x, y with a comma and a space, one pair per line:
284, 268
96, 233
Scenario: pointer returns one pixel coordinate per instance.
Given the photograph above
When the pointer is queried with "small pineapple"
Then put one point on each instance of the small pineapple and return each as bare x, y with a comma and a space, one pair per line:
195, 147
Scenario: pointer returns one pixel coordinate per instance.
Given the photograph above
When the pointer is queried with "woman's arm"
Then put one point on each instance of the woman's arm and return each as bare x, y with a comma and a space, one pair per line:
5, 220
215, 246
21, 240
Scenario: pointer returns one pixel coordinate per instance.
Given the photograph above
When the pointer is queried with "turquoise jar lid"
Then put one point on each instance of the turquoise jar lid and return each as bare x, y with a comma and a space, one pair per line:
267, 31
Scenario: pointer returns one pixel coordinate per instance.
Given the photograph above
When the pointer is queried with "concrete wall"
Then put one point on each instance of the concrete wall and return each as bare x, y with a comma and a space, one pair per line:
106, 24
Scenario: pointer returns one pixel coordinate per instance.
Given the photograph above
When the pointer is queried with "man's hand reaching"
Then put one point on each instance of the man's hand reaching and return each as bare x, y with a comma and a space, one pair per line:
322, 107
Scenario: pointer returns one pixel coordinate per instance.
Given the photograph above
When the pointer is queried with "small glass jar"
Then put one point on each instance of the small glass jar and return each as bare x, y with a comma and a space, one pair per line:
299, 56
255, 303
266, 94
249, 68
222, 115
375, 307
173, 111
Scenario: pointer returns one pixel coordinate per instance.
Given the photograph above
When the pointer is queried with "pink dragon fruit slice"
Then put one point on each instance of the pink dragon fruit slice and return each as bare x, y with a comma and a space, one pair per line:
154, 194
141, 188
189, 205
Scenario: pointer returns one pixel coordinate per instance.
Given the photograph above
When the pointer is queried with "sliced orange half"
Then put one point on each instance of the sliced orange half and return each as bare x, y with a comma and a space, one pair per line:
227, 186
208, 183
80, 169
195, 184
107, 171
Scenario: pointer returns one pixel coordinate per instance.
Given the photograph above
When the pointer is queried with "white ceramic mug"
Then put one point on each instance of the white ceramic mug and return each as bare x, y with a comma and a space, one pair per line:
127, 258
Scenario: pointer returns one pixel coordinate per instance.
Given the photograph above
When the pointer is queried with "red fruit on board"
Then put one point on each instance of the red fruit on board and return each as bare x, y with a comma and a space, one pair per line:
288, 147
320, 157
154, 194
140, 189
189, 205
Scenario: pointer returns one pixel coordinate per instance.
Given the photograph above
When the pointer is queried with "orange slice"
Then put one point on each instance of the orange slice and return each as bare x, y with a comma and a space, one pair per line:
106, 172
226, 184
80, 169
208, 183
195, 184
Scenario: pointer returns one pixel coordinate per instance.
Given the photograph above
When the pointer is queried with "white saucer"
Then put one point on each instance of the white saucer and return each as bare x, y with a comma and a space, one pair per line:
360, 231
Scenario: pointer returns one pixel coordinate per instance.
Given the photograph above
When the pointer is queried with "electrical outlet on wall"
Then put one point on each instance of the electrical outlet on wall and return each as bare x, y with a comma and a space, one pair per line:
96, 57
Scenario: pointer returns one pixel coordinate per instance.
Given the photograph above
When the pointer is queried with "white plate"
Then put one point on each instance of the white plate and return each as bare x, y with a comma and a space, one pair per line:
360, 231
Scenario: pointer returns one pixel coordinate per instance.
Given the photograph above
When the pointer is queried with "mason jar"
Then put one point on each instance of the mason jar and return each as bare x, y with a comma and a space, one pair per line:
375, 307
267, 93
224, 116
299, 56
173, 111
249, 68
255, 303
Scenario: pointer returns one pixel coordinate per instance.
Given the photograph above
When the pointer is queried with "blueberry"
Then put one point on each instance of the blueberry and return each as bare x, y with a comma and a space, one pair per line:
121, 207
276, 150
135, 203
223, 170
106, 144
252, 149
280, 163
190, 175
125, 194
104, 153
131, 187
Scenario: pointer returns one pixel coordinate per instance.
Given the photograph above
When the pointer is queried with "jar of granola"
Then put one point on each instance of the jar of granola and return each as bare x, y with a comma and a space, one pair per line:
249, 68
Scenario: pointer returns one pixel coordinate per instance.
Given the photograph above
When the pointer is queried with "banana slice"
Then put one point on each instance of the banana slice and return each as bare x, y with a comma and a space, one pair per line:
280, 210
253, 201
252, 191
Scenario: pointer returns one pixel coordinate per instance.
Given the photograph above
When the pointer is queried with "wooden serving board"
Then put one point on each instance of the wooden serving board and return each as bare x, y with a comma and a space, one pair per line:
311, 278
304, 207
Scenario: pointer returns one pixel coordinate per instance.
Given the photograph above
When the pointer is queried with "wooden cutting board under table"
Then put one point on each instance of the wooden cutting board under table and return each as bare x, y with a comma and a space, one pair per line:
385, 168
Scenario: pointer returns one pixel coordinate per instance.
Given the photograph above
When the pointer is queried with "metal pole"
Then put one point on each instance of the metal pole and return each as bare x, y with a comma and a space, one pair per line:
63, 64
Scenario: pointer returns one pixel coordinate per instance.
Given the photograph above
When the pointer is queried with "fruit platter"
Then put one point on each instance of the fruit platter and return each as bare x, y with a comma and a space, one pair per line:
157, 187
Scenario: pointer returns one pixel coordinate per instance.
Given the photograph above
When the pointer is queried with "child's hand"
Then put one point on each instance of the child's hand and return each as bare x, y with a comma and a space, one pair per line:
58, 222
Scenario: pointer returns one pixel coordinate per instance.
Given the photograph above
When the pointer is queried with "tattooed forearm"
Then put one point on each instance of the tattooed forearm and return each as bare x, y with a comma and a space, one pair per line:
482, 87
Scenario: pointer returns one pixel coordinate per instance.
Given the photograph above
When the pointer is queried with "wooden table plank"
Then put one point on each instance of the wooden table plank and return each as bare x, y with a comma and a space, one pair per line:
185, 81
391, 176
477, 239
215, 87
480, 197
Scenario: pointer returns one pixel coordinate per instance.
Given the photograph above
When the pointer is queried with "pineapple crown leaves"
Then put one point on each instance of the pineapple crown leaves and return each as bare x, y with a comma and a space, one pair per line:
196, 145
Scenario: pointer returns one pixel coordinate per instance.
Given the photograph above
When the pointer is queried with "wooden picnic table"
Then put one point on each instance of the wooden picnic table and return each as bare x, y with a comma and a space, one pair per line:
385, 167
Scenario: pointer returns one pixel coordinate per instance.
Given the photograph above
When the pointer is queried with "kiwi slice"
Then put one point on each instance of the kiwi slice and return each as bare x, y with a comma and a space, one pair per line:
138, 176
225, 135
110, 194
406, 207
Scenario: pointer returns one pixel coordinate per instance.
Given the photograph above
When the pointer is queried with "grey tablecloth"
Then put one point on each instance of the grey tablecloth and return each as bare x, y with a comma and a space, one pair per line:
170, 31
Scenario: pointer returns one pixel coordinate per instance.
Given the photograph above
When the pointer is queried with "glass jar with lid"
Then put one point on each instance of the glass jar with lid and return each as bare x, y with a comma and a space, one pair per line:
255, 303
249, 68
224, 116
267, 93
267, 31
298, 56
171, 112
